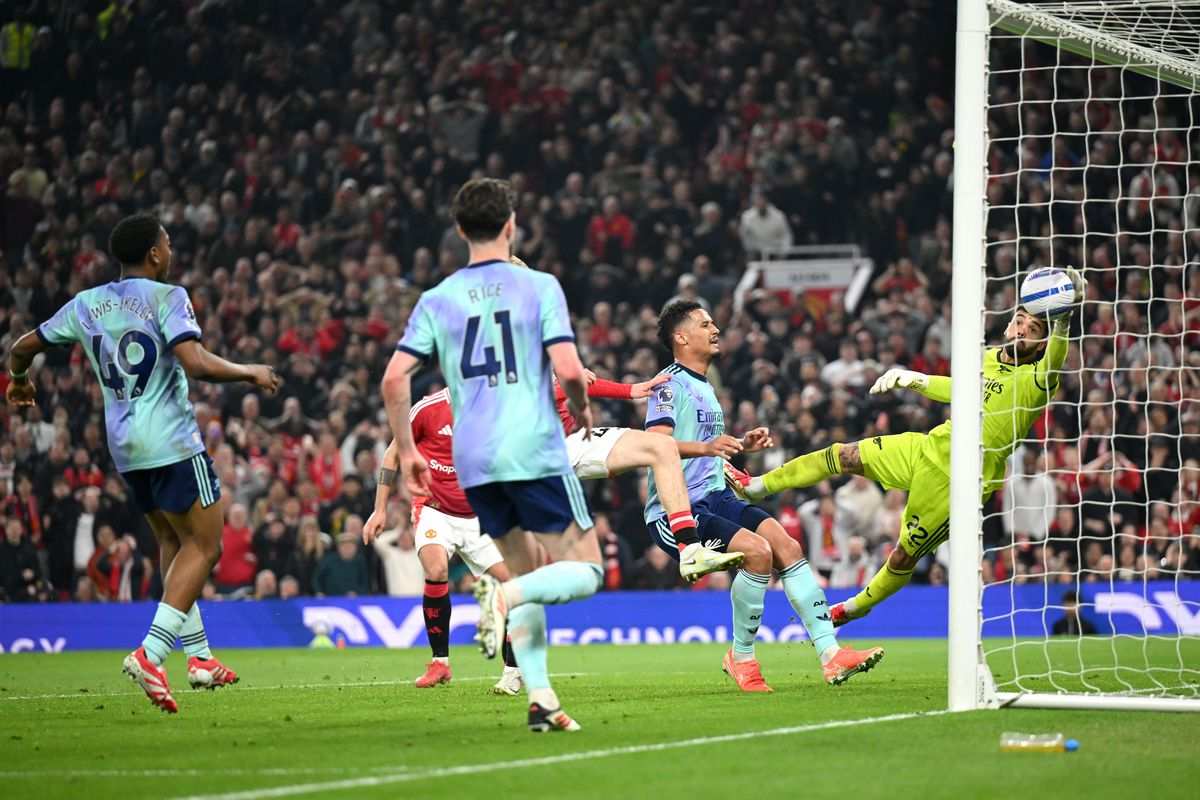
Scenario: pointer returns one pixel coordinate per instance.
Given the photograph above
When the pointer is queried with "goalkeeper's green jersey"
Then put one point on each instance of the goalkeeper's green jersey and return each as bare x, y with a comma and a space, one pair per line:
1013, 397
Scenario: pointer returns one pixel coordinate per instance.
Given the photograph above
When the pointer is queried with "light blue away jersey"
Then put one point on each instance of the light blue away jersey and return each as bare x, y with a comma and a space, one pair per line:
489, 325
689, 405
128, 329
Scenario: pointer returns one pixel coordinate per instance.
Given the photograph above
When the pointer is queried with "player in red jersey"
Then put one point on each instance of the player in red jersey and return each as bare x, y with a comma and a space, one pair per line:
611, 451
445, 519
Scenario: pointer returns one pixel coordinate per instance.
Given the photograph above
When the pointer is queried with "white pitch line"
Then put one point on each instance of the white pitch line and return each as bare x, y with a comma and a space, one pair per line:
189, 773
286, 687
546, 761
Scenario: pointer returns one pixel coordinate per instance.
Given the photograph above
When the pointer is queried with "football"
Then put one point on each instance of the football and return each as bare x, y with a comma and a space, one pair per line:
1047, 292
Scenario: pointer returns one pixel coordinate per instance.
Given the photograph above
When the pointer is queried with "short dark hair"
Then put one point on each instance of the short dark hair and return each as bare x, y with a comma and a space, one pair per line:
482, 207
670, 319
133, 237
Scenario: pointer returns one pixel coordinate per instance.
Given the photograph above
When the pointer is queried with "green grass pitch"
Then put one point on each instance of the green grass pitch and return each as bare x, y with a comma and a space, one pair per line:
658, 721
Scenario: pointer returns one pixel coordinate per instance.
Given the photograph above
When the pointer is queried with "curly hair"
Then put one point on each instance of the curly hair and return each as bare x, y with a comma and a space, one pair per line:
671, 318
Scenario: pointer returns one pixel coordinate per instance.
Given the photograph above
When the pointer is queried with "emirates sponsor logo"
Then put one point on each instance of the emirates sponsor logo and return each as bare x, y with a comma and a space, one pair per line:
446, 431
445, 469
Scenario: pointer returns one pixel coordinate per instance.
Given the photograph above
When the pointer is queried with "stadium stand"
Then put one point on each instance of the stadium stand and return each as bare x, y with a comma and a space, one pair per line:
303, 164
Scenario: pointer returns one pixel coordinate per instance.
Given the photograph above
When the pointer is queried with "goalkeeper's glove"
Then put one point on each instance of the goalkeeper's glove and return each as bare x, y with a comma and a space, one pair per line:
902, 378
1080, 286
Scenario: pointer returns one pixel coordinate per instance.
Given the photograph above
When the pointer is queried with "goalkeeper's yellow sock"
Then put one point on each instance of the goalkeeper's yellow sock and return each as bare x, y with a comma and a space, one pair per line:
886, 583
806, 470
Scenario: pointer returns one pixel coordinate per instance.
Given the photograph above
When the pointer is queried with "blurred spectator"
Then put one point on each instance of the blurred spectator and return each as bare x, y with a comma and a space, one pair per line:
858, 503
123, 571
855, 568
1030, 497
311, 544
764, 228
654, 570
289, 588
238, 564
20, 573
403, 574
274, 547
615, 552
1072, 622
825, 539
343, 573
610, 233
265, 585
69, 536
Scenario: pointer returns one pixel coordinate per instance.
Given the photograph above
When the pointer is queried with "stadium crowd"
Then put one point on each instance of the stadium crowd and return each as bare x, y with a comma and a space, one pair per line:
303, 163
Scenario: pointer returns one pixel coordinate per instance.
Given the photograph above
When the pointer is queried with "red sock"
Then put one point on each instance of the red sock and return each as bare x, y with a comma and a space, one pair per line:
683, 528
436, 604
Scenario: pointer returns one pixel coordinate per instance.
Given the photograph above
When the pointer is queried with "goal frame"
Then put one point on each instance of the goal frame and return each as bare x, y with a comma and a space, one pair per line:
970, 684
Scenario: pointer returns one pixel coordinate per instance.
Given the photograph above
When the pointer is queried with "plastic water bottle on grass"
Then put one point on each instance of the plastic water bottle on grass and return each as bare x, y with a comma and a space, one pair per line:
1037, 743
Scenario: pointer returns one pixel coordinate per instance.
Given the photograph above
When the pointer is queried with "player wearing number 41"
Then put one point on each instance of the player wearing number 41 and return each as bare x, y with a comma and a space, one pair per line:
686, 408
1019, 379
500, 333
142, 339
446, 525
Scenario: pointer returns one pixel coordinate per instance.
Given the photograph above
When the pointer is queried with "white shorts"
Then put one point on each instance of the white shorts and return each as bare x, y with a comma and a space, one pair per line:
589, 457
457, 535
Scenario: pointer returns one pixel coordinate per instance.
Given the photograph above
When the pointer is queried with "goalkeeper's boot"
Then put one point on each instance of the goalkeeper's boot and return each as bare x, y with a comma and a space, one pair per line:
209, 673
747, 674
847, 662
739, 482
696, 561
436, 672
840, 615
152, 678
493, 615
544, 720
510, 682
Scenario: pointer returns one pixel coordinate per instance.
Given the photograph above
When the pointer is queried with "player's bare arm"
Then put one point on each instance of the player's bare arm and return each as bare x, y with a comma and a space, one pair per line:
573, 379
397, 399
643, 389
20, 391
723, 446
383, 492
757, 439
203, 365
851, 459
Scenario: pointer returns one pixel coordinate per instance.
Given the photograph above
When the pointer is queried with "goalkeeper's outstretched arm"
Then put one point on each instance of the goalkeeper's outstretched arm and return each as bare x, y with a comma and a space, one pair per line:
1046, 370
935, 387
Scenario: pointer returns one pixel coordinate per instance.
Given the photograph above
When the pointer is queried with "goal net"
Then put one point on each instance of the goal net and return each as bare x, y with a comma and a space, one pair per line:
1087, 572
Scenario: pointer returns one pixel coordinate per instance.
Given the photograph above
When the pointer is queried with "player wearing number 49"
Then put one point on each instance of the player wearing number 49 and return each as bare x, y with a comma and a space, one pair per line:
141, 337
1019, 379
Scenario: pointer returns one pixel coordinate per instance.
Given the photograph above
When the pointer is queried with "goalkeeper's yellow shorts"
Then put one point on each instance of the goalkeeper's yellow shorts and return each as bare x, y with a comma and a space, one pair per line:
906, 461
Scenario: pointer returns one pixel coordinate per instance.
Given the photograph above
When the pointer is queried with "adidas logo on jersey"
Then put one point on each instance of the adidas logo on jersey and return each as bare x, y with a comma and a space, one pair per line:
446, 431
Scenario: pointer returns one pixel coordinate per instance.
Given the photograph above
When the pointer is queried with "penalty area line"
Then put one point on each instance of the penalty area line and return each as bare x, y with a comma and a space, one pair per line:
547, 761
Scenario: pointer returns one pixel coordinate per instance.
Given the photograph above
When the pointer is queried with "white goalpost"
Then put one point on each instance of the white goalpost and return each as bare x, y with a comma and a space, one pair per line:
1077, 143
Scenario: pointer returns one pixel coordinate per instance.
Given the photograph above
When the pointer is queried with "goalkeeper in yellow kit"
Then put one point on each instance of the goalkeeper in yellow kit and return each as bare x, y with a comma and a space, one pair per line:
1019, 379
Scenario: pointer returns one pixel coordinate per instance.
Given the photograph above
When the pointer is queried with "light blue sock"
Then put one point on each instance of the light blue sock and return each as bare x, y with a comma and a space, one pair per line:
160, 639
527, 628
808, 599
195, 640
561, 582
746, 594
